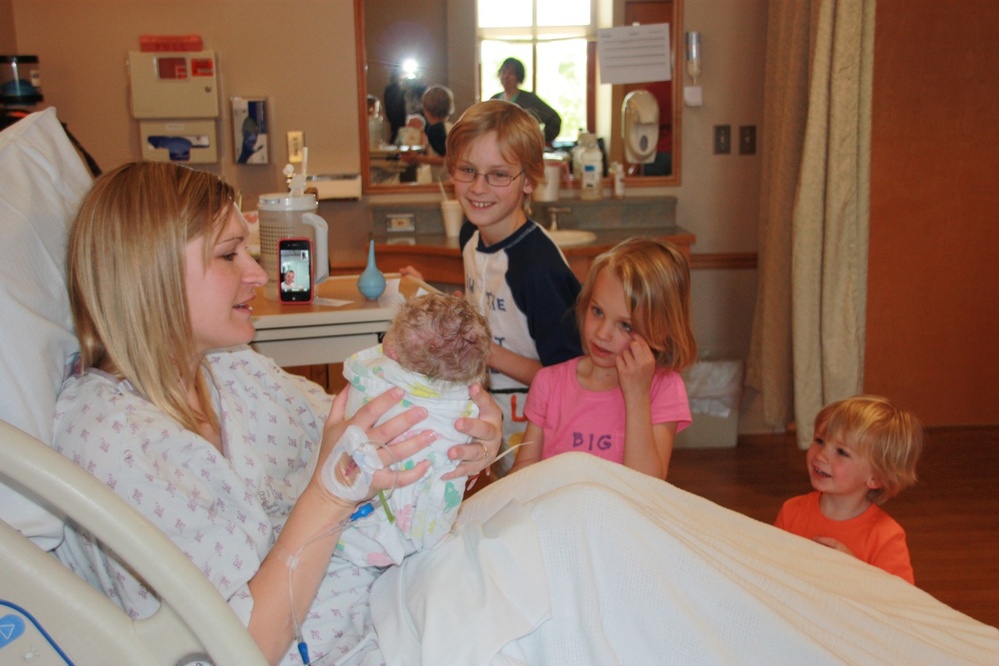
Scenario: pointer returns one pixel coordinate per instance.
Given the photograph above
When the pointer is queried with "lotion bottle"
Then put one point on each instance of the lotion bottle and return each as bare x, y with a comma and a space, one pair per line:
593, 167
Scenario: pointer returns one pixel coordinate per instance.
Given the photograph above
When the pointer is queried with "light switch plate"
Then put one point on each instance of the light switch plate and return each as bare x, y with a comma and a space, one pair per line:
723, 139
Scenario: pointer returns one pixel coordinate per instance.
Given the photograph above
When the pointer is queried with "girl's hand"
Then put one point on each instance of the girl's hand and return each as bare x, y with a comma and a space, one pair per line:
486, 433
346, 470
636, 365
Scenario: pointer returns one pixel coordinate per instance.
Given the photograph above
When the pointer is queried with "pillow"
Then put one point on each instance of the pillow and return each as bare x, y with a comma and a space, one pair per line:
44, 180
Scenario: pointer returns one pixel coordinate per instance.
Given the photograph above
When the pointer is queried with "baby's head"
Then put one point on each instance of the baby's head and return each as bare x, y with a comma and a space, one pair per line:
656, 281
443, 337
889, 438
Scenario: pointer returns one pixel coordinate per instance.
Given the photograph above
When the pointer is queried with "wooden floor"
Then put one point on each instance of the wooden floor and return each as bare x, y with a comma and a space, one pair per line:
951, 516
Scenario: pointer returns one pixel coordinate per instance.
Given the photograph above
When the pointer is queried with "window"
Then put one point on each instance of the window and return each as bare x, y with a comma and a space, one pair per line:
550, 38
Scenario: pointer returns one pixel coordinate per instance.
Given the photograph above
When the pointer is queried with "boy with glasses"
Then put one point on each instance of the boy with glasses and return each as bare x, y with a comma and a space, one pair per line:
514, 272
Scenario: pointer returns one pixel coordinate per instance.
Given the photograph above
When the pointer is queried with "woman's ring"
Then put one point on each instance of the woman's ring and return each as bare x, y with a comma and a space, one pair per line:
485, 451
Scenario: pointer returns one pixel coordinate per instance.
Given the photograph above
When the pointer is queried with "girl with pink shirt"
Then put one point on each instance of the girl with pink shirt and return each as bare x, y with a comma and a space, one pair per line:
624, 399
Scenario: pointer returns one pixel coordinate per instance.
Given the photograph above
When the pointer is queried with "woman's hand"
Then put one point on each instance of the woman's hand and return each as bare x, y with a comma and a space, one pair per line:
346, 470
486, 433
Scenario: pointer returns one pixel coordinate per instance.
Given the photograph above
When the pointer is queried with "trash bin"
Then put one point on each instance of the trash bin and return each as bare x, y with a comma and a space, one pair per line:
714, 388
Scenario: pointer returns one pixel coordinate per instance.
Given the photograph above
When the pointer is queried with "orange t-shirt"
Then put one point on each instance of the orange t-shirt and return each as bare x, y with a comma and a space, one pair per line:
873, 536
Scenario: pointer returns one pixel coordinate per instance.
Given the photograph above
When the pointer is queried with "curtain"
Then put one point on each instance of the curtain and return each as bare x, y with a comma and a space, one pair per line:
808, 331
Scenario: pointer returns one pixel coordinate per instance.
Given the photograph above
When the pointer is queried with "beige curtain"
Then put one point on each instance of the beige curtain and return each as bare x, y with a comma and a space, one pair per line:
808, 332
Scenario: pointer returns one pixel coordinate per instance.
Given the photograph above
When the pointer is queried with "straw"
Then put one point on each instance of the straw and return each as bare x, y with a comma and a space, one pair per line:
440, 184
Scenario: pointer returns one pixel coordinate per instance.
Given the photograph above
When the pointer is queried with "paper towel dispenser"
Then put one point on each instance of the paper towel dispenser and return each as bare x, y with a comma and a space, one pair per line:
640, 126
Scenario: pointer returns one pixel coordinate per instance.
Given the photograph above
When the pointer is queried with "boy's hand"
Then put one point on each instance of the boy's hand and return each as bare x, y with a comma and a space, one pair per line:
636, 365
411, 272
834, 544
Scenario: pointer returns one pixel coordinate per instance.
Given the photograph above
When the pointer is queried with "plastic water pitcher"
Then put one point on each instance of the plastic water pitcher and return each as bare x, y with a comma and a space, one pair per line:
284, 215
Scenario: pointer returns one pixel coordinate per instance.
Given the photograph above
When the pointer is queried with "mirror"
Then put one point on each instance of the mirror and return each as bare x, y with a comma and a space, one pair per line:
441, 35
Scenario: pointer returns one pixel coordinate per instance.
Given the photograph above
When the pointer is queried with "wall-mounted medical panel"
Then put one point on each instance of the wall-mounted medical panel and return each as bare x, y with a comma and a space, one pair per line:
176, 84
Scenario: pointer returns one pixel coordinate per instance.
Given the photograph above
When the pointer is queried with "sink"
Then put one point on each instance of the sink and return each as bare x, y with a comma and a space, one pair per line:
572, 237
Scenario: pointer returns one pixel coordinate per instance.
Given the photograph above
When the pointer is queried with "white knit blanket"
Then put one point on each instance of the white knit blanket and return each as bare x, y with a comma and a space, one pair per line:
579, 561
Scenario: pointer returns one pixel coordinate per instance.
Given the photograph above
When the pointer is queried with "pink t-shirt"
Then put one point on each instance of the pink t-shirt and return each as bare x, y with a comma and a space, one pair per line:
574, 419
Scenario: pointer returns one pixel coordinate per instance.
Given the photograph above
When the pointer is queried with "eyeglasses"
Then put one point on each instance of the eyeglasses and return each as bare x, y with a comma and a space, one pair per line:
494, 178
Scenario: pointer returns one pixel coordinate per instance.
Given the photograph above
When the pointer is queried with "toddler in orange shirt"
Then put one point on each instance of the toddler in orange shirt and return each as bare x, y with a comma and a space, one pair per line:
864, 451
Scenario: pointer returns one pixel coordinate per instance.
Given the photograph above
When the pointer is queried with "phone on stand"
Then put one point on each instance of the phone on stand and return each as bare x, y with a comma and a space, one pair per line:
295, 270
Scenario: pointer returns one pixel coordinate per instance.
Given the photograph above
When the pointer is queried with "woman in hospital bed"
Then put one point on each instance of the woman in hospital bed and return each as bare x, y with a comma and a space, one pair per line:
254, 473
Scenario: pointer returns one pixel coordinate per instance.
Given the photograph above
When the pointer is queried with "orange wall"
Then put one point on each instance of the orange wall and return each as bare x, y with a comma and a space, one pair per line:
933, 301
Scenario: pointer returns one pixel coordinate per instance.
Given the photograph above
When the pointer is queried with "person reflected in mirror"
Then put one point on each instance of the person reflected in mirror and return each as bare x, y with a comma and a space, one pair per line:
865, 450
403, 97
511, 76
438, 105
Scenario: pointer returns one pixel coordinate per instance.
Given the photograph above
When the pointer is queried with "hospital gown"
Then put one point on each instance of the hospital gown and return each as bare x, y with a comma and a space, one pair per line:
223, 512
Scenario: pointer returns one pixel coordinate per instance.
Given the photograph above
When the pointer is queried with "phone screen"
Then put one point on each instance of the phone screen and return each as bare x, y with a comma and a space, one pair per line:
295, 264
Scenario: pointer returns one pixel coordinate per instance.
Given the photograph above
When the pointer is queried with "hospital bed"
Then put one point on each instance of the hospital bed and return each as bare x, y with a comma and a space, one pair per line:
47, 614
639, 572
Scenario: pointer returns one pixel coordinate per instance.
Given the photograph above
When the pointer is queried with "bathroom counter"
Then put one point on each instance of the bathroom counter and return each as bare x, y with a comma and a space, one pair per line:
438, 257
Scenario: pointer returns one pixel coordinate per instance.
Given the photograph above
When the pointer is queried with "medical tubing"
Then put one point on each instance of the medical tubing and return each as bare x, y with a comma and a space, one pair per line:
361, 511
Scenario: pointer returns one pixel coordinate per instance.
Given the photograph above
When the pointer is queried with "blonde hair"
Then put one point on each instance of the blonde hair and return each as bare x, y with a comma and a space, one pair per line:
125, 272
518, 135
889, 438
442, 337
656, 281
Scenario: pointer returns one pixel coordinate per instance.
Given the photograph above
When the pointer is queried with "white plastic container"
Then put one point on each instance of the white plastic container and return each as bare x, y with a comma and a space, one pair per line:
583, 142
617, 177
593, 167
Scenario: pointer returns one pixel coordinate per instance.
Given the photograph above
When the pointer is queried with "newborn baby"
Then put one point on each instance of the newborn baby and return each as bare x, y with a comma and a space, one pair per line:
436, 347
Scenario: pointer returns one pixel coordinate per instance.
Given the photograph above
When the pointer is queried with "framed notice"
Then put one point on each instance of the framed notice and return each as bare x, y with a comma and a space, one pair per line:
634, 54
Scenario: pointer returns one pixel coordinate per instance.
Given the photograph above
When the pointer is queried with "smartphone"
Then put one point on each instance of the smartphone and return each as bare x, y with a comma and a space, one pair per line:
295, 270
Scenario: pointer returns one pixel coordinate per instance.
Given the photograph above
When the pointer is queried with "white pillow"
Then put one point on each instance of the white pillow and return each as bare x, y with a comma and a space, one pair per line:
44, 180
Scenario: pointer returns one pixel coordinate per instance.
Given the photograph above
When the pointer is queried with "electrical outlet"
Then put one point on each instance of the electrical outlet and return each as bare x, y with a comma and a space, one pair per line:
397, 223
296, 141
747, 140
723, 139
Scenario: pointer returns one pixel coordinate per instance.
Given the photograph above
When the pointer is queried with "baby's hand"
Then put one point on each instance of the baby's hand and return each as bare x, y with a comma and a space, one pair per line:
636, 365
834, 544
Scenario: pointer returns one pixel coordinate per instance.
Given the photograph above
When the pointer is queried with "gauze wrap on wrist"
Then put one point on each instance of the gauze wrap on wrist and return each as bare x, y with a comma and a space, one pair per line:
354, 443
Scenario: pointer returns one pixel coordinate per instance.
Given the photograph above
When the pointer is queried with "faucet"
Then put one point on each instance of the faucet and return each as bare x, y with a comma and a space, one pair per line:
553, 212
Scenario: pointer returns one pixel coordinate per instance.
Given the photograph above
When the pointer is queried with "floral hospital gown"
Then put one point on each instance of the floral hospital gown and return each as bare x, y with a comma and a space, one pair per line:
223, 512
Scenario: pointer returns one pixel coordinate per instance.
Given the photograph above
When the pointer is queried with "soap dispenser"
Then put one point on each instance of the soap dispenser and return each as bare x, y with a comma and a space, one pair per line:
372, 282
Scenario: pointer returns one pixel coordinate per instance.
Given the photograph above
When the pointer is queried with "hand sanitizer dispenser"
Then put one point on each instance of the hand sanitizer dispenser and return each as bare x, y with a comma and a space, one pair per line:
640, 122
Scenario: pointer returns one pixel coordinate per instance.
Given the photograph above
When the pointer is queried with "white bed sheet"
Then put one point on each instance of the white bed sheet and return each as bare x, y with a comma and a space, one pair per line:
599, 564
